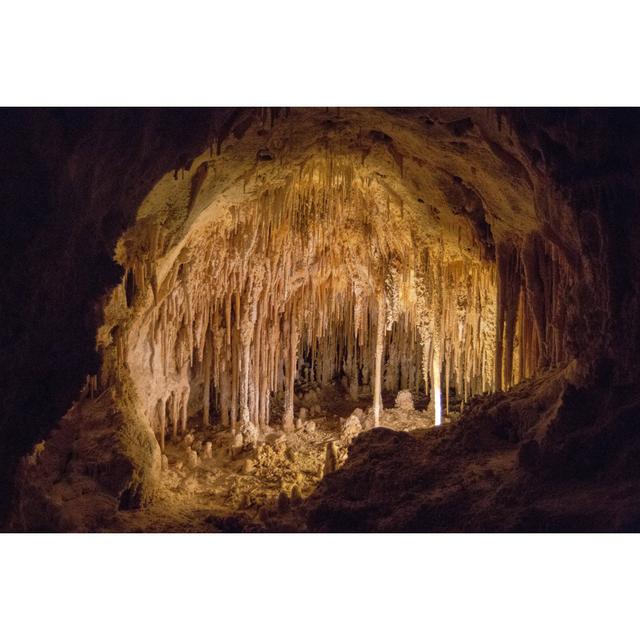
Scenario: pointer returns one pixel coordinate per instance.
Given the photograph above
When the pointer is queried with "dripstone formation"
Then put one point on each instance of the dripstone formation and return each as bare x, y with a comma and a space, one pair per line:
284, 280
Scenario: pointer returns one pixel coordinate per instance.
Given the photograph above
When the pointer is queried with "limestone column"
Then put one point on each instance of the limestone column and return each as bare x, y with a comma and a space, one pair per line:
377, 384
287, 421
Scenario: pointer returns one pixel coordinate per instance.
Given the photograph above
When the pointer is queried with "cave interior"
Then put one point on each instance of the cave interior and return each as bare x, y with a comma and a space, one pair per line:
321, 319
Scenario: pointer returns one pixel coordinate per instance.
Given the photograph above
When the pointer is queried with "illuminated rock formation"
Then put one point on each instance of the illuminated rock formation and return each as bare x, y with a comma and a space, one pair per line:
321, 253
441, 252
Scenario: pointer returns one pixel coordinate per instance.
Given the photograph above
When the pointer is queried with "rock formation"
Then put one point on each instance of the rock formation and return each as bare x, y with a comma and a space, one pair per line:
207, 276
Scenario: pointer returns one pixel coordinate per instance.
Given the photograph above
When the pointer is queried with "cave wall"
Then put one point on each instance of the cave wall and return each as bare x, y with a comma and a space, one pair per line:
71, 183
585, 167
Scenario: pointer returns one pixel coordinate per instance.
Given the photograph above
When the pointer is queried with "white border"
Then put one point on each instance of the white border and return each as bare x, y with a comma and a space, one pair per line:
319, 586
329, 52
337, 53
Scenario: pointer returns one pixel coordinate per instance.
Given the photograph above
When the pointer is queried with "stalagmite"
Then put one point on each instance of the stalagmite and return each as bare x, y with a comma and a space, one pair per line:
331, 458
404, 400
192, 458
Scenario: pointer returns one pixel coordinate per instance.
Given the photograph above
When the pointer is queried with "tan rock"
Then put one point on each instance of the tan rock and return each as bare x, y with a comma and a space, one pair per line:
351, 428
310, 397
331, 458
404, 400
250, 434
296, 495
188, 440
236, 443
192, 459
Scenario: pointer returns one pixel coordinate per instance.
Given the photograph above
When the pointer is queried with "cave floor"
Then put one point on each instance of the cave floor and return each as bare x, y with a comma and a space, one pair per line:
245, 490
476, 474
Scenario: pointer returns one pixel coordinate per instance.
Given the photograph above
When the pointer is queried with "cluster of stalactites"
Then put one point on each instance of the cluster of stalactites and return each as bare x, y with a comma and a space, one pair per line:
310, 279
455, 319
533, 281
237, 350
347, 350
230, 311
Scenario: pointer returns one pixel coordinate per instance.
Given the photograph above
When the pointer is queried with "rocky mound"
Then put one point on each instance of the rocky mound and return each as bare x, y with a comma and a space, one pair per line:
545, 457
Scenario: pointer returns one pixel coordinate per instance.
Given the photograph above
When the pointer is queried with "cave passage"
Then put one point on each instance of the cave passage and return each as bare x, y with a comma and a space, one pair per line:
312, 275
312, 282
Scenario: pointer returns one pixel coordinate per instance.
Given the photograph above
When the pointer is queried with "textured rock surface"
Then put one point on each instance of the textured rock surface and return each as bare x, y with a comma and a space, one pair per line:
75, 179
97, 460
404, 400
544, 457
